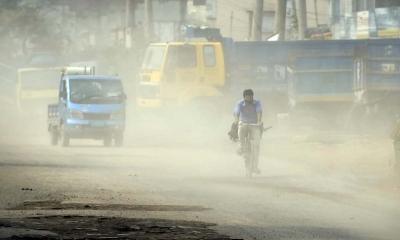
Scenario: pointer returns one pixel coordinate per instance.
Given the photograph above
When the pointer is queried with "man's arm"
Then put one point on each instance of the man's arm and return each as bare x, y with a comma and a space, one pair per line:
259, 117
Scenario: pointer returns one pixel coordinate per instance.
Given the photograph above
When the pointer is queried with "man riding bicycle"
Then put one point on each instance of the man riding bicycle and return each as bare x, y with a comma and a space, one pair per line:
248, 115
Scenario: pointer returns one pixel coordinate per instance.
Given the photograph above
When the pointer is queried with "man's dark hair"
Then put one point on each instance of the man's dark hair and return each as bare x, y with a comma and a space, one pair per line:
248, 92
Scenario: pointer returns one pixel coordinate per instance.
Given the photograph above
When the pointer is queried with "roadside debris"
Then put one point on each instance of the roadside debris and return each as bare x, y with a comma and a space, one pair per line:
57, 205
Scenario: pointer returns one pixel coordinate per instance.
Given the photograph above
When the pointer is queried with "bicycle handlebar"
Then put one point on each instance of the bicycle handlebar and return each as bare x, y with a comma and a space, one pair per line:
256, 125
250, 124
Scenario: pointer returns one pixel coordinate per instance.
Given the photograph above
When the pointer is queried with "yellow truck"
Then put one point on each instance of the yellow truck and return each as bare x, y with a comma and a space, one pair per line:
177, 73
37, 87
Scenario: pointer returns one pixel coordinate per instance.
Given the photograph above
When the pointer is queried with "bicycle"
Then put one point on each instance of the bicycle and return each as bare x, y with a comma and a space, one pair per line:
250, 151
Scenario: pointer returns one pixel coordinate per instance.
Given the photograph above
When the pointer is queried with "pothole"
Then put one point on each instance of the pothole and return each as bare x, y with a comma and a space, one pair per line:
91, 227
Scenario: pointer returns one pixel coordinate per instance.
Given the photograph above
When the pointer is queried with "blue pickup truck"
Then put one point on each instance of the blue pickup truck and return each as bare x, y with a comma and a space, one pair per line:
89, 106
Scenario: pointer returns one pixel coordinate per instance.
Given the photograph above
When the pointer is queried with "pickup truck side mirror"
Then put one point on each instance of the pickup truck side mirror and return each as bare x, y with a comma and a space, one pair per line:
63, 96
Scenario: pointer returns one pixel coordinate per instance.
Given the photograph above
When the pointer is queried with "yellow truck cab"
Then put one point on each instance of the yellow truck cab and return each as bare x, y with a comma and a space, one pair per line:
37, 87
180, 72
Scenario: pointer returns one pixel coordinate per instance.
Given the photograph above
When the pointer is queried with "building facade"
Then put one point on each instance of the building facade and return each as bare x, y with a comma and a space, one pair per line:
352, 19
236, 18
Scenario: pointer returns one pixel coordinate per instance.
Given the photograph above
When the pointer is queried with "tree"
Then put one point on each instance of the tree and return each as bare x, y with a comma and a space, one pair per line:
33, 25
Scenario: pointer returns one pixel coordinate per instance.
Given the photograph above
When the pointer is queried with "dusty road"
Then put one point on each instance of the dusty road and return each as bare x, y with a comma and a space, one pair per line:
319, 186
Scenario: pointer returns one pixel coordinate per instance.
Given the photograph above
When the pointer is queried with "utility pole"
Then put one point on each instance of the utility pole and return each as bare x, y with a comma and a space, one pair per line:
149, 32
182, 18
231, 24
182, 11
316, 12
280, 18
302, 18
258, 19
127, 12
127, 29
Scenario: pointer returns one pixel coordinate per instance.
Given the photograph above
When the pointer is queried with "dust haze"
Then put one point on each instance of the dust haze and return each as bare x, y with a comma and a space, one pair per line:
324, 174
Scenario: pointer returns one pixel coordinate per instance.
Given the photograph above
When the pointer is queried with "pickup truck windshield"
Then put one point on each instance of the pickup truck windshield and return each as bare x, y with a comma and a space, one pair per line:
153, 58
95, 91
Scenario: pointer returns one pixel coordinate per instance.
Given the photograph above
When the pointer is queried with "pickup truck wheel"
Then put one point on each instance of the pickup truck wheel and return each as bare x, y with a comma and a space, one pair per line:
119, 139
65, 141
64, 137
54, 138
107, 141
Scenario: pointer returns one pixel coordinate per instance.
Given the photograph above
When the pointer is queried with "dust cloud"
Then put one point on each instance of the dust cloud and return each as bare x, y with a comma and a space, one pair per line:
185, 155
322, 167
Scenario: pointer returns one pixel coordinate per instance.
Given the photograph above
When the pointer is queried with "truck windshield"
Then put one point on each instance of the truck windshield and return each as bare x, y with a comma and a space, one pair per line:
86, 91
153, 58
39, 79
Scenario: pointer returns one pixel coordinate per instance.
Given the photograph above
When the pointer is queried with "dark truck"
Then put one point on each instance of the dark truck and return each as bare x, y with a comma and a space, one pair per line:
342, 83
89, 106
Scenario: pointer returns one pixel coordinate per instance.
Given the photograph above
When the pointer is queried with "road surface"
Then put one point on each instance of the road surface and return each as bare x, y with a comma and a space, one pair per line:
312, 186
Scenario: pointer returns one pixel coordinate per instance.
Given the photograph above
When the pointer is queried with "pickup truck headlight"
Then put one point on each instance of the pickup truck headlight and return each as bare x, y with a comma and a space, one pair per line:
118, 115
75, 114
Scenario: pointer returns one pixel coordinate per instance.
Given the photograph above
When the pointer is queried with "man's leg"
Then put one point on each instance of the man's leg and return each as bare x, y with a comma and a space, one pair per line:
256, 138
242, 132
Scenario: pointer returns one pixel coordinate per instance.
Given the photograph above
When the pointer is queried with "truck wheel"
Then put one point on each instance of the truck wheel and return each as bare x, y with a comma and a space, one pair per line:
107, 141
119, 139
65, 141
54, 137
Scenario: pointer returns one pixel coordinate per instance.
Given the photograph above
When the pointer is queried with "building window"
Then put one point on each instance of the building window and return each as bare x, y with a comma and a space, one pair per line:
364, 5
387, 3
268, 22
199, 2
